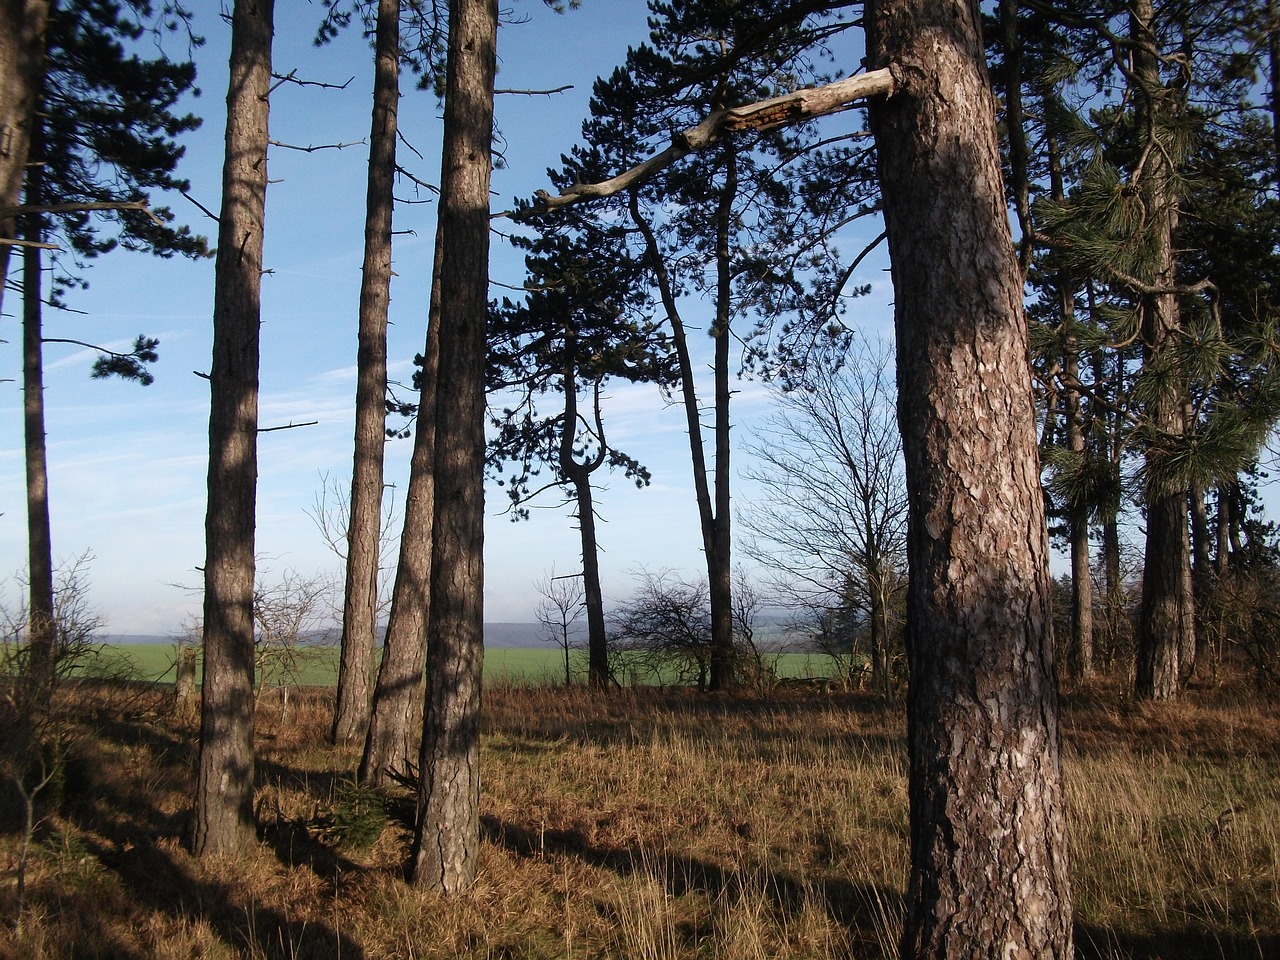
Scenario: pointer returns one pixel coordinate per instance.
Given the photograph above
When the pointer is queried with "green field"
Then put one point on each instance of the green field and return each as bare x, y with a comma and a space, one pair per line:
318, 666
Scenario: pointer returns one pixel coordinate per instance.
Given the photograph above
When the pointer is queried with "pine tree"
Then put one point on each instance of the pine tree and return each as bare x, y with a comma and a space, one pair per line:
741, 227
447, 837
223, 816
574, 332
102, 138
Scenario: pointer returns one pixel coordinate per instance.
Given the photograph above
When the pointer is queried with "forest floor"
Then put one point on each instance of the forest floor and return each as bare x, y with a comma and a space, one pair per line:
648, 824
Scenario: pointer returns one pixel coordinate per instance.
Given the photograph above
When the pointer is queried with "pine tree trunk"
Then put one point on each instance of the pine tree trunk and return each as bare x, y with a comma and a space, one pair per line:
1201, 576
1166, 624
1080, 652
224, 788
360, 603
1115, 599
22, 50
447, 840
1222, 532
396, 716
593, 595
579, 476
1273, 75
713, 523
723, 673
988, 842
41, 626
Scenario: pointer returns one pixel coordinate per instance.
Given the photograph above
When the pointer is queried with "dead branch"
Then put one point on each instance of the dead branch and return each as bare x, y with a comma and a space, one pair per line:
761, 115
207, 212
29, 243
21, 209
287, 426
536, 93
292, 77
314, 148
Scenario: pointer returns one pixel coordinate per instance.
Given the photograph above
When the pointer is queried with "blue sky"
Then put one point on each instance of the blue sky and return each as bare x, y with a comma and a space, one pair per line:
127, 464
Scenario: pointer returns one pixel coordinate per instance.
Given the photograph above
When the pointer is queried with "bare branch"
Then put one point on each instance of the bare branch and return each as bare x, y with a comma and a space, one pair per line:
21, 209
28, 243
287, 426
292, 77
536, 93
762, 115
207, 212
313, 149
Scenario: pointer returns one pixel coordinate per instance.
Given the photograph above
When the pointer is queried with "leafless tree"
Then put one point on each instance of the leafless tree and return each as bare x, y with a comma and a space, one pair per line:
831, 521
662, 632
289, 612
562, 605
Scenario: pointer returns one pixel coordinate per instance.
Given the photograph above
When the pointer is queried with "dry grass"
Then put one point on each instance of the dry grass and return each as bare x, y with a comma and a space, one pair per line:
650, 825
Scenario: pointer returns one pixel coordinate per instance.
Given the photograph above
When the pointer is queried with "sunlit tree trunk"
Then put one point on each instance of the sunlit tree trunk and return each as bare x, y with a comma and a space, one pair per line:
223, 823
988, 840
1166, 625
447, 840
360, 603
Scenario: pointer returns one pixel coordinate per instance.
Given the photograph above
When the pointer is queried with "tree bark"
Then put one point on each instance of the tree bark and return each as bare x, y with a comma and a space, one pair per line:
718, 545
710, 525
447, 840
1080, 655
41, 626
1222, 532
1166, 625
988, 844
1080, 651
579, 476
22, 53
360, 602
394, 721
224, 823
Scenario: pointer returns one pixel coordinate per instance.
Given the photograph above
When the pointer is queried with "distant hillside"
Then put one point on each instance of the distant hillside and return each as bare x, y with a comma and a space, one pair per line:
770, 635
497, 635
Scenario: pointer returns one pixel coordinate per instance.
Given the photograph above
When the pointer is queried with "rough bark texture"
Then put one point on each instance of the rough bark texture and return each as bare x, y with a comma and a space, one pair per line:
396, 717
1166, 624
22, 51
224, 822
447, 841
360, 600
988, 845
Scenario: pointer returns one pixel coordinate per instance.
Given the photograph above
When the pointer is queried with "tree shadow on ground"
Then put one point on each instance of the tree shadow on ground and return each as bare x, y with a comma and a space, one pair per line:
1102, 943
132, 838
861, 909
